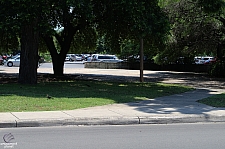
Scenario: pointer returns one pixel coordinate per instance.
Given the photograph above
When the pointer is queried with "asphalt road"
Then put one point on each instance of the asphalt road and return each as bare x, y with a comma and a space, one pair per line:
176, 136
66, 65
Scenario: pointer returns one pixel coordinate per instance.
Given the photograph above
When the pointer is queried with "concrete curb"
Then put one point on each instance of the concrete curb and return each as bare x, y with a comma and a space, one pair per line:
188, 119
112, 121
68, 122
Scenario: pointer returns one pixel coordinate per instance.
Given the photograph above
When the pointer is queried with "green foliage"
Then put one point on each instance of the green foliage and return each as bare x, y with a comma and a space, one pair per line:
164, 3
9, 42
118, 19
13, 16
133, 20
218, 69
211, 6
129, 48
193, 32
46, 56
102, 47
16, 13
81, 21
84, 41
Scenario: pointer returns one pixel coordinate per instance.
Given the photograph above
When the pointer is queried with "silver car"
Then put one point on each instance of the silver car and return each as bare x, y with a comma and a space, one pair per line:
106, 58
70, 57
78, 57
14, 61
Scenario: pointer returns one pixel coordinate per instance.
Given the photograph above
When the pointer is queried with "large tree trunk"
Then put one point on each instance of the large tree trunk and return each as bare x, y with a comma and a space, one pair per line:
58, 64
64, 43
28, 55
57, 58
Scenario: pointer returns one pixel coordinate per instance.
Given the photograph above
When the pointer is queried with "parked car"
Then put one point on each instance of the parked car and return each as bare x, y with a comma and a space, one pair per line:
105, 58
210, 61
70, 57
5, 57
202, 60
85, 56
14, 61
78, 57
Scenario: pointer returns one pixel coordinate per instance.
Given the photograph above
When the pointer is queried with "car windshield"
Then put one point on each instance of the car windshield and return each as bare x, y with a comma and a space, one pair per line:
15, 56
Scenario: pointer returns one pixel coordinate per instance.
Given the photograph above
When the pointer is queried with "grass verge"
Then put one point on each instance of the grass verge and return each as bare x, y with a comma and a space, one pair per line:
214, 101
68, 95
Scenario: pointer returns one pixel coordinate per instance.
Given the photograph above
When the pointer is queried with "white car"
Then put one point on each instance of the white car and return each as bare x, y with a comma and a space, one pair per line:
105, 58
202, 60
78, 57
14, 61
70, 57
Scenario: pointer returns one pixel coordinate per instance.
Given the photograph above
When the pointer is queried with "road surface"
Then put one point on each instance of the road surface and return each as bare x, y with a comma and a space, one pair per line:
174, 136
66, 65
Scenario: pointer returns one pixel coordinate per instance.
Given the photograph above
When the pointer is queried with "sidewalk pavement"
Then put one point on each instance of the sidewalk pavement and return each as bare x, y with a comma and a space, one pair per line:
178, 108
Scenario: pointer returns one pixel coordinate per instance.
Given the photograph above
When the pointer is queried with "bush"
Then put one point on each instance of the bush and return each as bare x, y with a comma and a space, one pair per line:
46, 57
218, 69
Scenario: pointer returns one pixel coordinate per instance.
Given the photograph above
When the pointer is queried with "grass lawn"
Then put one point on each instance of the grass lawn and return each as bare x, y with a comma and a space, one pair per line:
215, 101
67, 95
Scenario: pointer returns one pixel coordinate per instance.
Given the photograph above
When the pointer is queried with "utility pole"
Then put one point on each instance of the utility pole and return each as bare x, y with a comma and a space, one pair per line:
141, 60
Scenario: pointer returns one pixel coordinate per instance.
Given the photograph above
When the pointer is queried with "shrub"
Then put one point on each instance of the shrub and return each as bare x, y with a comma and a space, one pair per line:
218, 69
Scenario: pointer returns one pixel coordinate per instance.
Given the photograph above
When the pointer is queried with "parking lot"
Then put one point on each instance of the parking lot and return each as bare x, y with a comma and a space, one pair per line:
44, 66
197, 80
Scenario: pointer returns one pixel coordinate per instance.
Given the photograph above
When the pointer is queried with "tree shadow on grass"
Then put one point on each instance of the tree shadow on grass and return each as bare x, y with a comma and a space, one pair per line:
76, 90
8, 78
179, 103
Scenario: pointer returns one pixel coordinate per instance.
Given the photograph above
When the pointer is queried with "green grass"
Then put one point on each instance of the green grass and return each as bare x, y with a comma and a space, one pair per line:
215, 101
78, 94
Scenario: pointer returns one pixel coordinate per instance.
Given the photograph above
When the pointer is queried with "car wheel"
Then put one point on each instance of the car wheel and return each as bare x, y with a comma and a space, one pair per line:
10, 64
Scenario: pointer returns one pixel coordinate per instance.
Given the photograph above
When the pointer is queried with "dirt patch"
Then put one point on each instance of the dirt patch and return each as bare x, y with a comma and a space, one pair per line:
189, 79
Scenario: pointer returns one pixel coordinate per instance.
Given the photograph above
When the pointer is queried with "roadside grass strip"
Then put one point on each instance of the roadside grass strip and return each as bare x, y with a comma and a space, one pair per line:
69, 95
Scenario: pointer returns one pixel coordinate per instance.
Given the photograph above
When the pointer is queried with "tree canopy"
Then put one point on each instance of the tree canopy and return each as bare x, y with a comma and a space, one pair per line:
67, 25
195, 29
62, 23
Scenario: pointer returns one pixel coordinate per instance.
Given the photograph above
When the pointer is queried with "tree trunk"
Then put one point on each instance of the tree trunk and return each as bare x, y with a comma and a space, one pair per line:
29, 54
219, 51
58, 64
59, 58
141, 61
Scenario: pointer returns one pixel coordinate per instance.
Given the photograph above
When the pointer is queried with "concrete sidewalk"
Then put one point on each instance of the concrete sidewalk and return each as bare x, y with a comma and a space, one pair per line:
179, 108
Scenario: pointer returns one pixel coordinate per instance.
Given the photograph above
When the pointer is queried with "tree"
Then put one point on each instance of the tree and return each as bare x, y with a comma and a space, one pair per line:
63, 23
74, 20
211, 6
8, 41
21, 19
115, 20
194, 32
